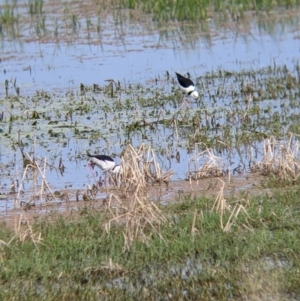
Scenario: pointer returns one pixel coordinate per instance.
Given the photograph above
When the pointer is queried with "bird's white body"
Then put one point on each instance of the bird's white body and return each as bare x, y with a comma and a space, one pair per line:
103, 164
187, 85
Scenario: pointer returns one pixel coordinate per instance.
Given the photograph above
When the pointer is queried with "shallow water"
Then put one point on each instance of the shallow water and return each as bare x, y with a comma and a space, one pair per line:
139, 55
133, 55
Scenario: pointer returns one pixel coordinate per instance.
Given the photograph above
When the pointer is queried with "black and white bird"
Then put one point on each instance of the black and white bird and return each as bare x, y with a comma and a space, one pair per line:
105, 163
187, 85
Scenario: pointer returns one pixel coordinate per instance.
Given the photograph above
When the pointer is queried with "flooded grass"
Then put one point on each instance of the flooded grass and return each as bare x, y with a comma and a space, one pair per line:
235, 113
180, 21
74, 258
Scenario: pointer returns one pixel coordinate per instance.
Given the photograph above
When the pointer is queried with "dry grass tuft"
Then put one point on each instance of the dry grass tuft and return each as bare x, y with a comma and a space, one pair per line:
152, 170
129, 205
223, 207
144, 161
5, 244
280, 158
2, 245
205, 165
24, 231
109, 267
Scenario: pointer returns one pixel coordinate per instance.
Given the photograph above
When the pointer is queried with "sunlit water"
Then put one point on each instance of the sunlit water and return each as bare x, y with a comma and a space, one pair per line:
60, 68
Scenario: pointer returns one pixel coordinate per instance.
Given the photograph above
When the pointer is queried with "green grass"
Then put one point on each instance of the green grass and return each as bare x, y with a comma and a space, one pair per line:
72, 261
35, 7
196, 10
7, 13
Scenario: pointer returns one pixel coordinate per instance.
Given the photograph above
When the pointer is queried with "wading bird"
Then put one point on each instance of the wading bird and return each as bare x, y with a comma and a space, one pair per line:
105, 163
187, 85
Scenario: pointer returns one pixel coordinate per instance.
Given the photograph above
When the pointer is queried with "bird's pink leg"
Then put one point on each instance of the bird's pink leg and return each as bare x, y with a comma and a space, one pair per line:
105, 178
182, 100
92, 171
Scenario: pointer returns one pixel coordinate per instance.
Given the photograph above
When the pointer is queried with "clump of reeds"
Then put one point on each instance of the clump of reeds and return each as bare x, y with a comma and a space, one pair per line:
152, 170
145, 161
39, 191
129, 204
205, 165
35, 170
280, 158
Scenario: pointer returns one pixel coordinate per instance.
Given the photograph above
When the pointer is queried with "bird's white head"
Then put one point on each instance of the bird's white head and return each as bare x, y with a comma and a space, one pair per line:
195, 94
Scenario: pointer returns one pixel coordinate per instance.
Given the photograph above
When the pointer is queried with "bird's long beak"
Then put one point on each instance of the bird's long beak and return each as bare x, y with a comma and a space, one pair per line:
91, 165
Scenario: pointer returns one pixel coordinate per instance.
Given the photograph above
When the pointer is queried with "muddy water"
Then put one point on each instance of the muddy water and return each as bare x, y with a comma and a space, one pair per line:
129, 56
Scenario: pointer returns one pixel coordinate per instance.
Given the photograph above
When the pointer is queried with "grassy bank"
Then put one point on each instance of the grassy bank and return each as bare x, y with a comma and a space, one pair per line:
256, 258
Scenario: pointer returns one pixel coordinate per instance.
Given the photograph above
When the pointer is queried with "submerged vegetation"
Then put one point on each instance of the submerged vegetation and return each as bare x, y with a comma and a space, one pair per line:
235, 112
192, 10
85, 21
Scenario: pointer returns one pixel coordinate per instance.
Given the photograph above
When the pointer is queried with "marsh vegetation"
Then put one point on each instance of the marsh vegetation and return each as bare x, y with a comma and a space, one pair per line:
207, 205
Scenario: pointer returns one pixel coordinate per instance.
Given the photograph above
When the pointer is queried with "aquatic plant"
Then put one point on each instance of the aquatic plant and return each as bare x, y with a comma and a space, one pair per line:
7, 13
35, 7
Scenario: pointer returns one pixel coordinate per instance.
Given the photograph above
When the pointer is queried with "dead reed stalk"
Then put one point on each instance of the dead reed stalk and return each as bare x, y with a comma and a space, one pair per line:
24, 231
140, 217
205, 164
37, 175
223, 208
280, 158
